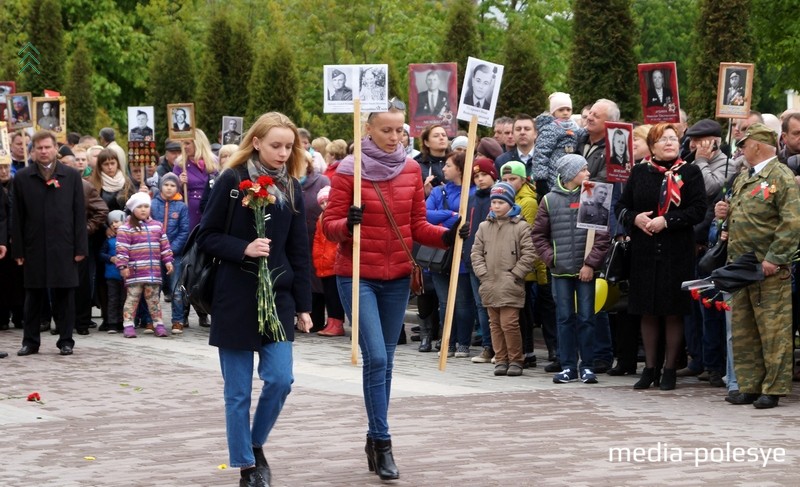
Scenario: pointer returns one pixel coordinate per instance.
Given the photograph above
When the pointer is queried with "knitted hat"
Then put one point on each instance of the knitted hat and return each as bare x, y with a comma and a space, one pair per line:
514, 167
560, 100
64, 150
115, 216
569, 166
503, 191
323, 194
490, 148
170, 176
138, 199
459, 141
484, 164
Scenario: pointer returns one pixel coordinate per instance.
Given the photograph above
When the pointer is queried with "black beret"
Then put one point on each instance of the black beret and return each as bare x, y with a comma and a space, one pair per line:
64, 150
172, 146
705, 128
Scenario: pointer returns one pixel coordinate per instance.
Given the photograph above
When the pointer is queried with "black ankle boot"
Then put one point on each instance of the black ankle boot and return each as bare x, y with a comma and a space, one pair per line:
261, 464
369, 449
622, 369
649, 376
252, 477
425, 343
384, 461
668, 380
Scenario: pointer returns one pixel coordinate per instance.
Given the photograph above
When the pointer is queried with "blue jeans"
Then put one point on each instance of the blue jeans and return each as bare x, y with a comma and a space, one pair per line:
732, 383
693, 332
382, 307
483, 315
713, 339
575, 330
275, 369
172, 288
464, 311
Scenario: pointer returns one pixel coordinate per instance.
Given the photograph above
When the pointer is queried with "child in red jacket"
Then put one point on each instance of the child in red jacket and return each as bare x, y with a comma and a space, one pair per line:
323, 254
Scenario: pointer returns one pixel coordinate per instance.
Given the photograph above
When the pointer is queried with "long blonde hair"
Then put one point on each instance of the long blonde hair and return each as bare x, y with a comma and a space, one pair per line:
202, 151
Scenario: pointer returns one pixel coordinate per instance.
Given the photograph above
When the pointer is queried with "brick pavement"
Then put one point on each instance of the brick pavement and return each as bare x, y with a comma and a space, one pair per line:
150, 412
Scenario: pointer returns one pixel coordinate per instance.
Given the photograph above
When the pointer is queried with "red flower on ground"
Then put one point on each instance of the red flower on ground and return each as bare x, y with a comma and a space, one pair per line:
34, 397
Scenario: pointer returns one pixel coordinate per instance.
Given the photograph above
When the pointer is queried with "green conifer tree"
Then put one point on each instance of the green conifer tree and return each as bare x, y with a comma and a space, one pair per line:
603, 64
522, 90
723, 32
274, 83
461, 37
81, 103
172, 78
46, 33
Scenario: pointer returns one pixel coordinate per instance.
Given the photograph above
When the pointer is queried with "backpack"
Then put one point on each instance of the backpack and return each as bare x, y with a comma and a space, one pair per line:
198, 269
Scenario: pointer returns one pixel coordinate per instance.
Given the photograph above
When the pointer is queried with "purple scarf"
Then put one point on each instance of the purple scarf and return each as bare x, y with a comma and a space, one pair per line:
376, 164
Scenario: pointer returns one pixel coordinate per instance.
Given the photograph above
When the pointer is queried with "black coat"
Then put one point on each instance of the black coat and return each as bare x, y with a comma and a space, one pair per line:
234, 306
659, 264
49, 226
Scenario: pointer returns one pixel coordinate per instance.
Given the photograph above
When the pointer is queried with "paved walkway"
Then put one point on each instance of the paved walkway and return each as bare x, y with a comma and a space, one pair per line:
149, 412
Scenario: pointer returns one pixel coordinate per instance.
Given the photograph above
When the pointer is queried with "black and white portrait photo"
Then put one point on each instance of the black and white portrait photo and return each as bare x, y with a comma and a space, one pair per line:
734, 86
141, 124
232, 130
181, 120
480, 91
47, 114
339, 89
734, 90
373, 84
434, 99
618, 151
659, 94
595, 205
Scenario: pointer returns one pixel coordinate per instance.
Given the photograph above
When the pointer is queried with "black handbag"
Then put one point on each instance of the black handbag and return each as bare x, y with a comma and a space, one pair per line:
198, 269
435, 259
713, 259
618, 260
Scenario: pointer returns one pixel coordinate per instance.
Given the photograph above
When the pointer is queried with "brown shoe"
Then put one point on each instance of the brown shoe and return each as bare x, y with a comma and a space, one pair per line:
149, 329
686, 372
177, 328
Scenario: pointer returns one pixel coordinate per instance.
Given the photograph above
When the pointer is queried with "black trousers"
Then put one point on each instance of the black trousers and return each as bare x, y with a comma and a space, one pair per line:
83, 296
332, 301
62, 303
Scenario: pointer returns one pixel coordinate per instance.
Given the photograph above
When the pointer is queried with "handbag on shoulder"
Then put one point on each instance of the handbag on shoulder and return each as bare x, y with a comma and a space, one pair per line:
618, 260
417, 284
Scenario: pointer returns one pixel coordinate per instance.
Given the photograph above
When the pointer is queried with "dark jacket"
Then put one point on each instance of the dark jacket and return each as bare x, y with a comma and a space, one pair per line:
49, 226
431, 165
660, 263
174, 218
234, 305
96, 209
311, 186
596, 159
477, 210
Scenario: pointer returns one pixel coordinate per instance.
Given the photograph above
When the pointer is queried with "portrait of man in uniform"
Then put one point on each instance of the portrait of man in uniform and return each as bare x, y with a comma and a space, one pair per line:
734, 90
47, 116
232, 130
339, 84
140, 122
659, 94
594, 204
433, 100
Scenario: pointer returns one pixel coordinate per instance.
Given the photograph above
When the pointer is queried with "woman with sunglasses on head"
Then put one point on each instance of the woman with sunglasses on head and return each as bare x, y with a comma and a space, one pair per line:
388, 174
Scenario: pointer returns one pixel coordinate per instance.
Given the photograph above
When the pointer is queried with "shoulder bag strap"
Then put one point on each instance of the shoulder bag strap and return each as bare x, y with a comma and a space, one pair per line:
393, 223
234, 194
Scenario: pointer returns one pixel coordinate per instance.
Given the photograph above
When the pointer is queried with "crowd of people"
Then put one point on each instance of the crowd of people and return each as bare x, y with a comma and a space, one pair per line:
81, 227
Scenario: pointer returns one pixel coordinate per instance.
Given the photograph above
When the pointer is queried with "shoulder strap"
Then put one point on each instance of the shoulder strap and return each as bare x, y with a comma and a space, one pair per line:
393, 223
234, 194
445, 204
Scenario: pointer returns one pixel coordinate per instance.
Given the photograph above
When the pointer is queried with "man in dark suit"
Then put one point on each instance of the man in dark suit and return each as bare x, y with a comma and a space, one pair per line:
481, 86
658, 95
180, 124
432, 101
231, 136
49, 239
141, 131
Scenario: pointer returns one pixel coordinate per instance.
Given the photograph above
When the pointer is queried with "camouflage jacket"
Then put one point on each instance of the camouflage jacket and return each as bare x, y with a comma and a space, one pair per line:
765, 214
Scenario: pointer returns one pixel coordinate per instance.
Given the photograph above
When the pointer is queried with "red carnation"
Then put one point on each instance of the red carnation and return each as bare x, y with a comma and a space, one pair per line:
695, 294
34, 396
265, 181
720, 305
261, 193
706, 302
726, 306
245, 185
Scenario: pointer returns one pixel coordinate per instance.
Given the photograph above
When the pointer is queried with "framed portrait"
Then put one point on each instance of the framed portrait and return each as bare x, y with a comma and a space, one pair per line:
658, 87
141, 124
232, 130
50, 113
480, 91
6, 89
343, 83
619, 151
595, 205
433, 97
180, 119
734, 90
5, 144
19, 111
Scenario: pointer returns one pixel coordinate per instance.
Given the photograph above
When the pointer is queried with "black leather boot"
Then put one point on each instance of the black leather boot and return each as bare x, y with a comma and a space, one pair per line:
668, 380
649, 376
252, 477
425, 335
261, 464
369, 449
384, 460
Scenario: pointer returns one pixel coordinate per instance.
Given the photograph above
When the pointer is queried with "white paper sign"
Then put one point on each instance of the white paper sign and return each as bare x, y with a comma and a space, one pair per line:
480, 91
345, 82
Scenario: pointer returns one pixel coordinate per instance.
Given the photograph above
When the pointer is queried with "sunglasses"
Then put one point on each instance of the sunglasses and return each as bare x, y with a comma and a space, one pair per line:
395, 103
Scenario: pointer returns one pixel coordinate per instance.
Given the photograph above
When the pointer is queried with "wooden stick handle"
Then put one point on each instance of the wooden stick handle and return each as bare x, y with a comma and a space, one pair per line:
356, 230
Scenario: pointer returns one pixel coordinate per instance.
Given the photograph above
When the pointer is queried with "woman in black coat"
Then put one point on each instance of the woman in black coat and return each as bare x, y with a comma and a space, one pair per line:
663, 199
271, 147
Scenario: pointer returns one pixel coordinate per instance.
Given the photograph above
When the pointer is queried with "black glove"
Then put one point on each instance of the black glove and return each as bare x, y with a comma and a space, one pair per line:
463, 232
449, 237
354, 216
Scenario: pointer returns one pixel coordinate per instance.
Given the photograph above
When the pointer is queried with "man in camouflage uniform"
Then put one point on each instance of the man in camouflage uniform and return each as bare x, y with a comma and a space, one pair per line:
764, 217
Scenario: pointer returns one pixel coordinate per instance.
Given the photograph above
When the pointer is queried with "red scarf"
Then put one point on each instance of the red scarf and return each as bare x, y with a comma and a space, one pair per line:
670, 193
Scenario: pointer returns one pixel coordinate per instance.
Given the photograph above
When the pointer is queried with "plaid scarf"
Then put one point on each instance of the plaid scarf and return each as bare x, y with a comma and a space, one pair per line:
670, 193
